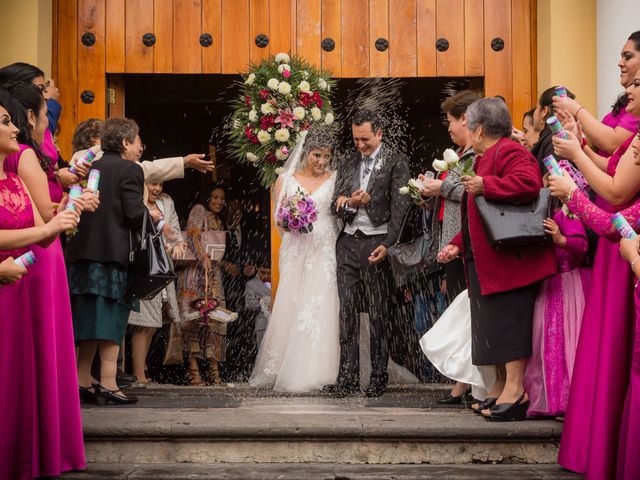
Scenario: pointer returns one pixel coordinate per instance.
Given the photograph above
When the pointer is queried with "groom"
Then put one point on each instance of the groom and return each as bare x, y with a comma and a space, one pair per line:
368, 200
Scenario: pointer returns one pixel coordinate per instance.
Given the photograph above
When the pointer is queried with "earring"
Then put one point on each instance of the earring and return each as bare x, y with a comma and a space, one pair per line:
479, 138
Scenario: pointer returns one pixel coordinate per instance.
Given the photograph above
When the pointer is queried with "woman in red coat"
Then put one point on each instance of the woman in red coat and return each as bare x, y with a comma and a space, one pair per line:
502, 284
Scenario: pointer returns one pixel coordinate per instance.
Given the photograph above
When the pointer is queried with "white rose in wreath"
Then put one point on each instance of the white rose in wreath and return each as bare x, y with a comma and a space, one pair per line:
280, 170
282, 58
299, 112
322, 84
304, 86
273, 84
250, 79
282, 153
284, 88
284, 67
267, 109
282, 135
253, 115
329, 118
316, 113
251, 157
264, 136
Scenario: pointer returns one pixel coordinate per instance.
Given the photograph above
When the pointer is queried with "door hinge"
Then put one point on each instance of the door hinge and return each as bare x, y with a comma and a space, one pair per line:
111, 95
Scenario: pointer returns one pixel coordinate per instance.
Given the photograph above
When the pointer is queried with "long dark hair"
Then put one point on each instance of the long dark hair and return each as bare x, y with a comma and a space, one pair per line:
29, 97
223, 215
19, 72
623, 100
9, 104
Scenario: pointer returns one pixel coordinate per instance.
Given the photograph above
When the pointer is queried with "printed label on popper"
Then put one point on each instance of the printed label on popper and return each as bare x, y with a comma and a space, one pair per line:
74, 192
86, 158
623, 227
556, 127
94, 180
561, 91
552, 165
26, 259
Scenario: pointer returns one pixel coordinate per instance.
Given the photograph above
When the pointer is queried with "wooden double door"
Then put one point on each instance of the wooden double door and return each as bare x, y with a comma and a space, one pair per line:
494, 39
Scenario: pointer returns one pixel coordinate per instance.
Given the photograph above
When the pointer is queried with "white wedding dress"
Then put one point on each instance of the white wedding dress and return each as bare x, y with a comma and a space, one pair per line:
447, 345
300, 351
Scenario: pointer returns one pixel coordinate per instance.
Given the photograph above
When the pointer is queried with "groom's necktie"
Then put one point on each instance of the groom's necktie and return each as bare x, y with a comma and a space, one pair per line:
367, 166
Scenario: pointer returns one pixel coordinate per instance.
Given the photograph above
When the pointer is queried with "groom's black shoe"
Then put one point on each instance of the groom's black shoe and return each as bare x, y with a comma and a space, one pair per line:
374, 390
339, 391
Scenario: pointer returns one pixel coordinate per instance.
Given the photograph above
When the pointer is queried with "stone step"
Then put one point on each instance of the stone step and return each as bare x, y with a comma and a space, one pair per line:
402, 427
324, 471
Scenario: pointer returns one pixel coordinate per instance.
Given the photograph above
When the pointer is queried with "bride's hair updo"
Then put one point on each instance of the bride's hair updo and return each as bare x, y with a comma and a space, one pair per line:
317, 137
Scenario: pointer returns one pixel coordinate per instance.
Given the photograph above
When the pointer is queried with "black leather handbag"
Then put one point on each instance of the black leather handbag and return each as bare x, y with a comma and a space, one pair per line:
149, 267
509, 225
417, 256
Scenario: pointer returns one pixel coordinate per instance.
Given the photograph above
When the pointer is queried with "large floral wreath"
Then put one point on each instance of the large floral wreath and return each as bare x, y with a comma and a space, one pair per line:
281, 97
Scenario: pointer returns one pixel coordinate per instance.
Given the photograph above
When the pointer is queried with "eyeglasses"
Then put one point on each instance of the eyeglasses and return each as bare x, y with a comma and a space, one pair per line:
43, 86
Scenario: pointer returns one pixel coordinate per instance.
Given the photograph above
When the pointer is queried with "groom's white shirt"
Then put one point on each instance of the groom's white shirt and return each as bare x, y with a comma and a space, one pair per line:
362, 221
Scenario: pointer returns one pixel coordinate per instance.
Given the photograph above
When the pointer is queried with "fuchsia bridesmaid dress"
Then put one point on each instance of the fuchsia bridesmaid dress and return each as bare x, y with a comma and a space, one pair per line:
594, 418
43, 376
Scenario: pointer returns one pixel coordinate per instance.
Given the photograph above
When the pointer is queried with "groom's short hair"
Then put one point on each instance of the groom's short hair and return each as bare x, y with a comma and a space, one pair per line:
365, 115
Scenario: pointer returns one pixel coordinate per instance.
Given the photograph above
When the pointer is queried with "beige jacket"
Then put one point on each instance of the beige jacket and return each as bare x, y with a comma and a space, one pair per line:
155, 171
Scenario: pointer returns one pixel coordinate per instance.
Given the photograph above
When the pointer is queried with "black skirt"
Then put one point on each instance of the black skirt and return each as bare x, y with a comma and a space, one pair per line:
501, 324
456, 281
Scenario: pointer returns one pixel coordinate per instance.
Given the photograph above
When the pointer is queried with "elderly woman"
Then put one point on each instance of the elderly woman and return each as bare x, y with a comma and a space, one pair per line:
149, 319
98, 258
502, 284
448, 192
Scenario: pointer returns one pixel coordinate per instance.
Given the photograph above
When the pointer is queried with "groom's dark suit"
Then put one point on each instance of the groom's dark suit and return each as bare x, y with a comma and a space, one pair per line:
364, 287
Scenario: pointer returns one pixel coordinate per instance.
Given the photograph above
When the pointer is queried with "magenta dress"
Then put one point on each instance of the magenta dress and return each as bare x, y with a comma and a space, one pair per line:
557, 319
55, 443
629, 446
623, 120
600, 377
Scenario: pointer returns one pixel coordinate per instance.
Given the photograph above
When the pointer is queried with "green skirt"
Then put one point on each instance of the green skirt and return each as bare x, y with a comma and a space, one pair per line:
98, 305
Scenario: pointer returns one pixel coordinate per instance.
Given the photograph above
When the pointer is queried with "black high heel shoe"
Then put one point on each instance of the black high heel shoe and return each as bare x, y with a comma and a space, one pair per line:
455, 400
88, 395
485, 404
508, 412
111, 397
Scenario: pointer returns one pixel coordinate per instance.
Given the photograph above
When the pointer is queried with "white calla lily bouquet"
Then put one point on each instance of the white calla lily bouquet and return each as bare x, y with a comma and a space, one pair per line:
412, 188
450, 160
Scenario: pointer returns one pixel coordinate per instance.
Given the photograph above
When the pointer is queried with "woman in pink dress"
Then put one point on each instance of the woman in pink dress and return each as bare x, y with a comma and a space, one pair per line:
611, 442
41, 433
598, 385
618, 125
58, 404
629, 446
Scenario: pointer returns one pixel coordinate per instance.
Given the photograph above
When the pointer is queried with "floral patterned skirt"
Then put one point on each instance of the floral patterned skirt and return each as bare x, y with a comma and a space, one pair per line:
202, 339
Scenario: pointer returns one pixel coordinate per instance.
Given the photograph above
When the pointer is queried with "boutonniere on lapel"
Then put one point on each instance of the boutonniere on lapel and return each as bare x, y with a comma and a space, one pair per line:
379, 164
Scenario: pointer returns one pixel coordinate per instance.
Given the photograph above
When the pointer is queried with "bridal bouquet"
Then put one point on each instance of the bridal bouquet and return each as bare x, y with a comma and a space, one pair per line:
297, 213
450, 160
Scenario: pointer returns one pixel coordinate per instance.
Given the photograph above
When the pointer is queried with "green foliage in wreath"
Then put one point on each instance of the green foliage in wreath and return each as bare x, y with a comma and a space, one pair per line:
280, 97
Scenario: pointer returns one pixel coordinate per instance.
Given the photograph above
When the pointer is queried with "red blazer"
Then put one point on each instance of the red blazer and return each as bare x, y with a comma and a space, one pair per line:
517, 178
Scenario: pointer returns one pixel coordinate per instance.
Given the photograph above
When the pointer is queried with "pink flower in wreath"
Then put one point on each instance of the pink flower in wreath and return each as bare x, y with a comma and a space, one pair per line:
247, 101
286, 73
264, 94
285, 118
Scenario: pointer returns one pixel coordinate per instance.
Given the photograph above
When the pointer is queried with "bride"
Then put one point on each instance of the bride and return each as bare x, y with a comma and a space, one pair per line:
300, 351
